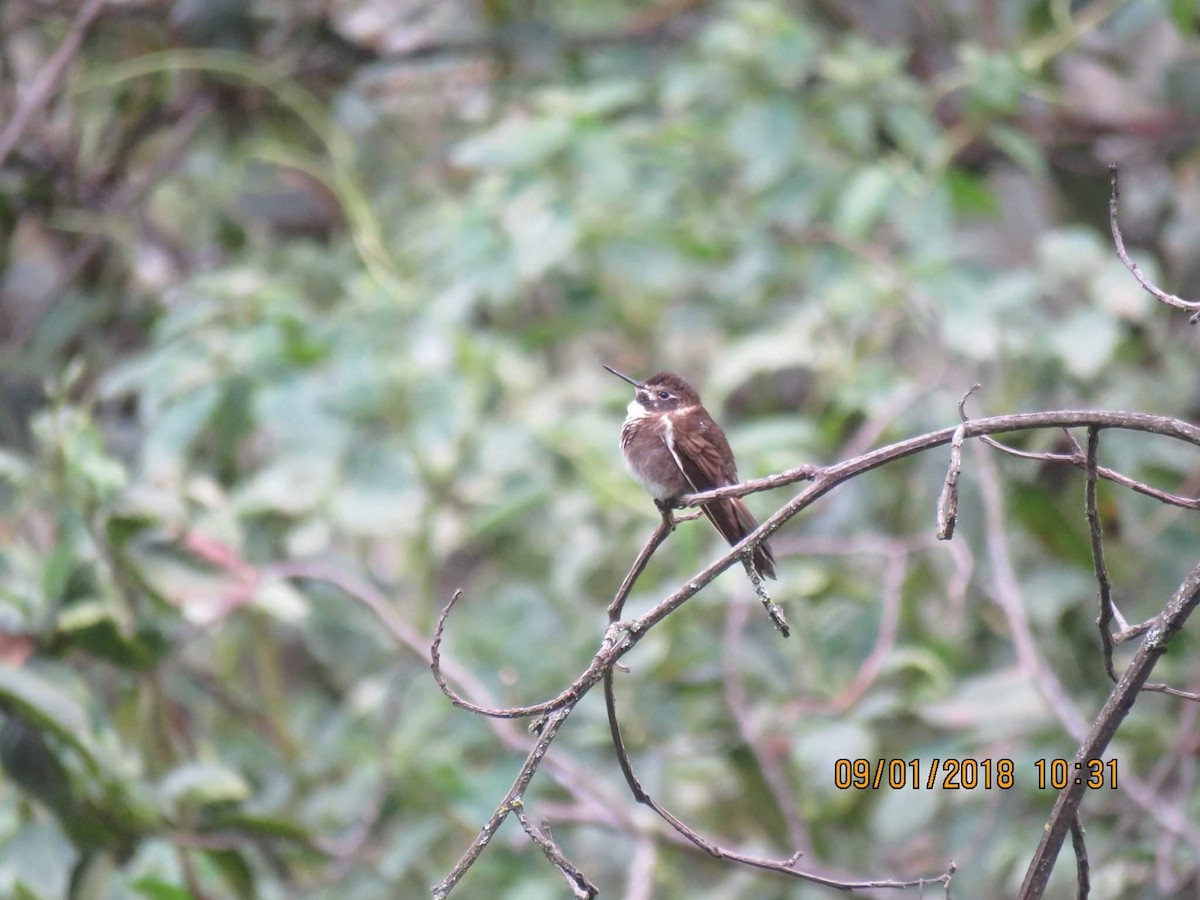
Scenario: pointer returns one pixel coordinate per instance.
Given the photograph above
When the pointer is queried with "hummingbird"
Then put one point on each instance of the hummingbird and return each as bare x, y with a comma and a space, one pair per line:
673, 447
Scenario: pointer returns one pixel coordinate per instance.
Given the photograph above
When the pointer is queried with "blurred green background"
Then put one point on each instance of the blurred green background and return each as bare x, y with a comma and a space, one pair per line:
302, 313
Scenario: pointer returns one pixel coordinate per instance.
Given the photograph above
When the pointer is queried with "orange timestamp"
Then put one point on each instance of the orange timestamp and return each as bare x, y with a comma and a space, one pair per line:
968, 774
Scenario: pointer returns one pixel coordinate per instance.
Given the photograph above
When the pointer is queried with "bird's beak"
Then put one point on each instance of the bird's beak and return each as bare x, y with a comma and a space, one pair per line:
636, 384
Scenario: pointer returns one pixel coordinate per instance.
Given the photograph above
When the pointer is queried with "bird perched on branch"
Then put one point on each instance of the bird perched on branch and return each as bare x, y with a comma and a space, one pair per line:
673, 447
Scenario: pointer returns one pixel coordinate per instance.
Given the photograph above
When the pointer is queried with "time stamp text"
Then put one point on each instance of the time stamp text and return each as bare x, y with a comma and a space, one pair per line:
968, 774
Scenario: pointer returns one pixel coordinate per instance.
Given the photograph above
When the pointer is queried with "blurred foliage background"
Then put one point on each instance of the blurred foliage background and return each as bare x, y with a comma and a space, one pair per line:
302, 312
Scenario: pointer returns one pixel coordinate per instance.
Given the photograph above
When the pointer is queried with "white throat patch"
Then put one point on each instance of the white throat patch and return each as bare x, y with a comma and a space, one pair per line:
635, 410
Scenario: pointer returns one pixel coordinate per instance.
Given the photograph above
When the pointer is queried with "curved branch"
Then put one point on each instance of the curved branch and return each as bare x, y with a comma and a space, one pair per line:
619, 640
564, 700
1192, 306
621, 637
781, 866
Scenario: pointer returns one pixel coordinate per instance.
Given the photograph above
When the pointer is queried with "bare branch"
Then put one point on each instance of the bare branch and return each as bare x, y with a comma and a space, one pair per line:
549, 730
1118, 705
947, 508
1082, 877
1107, 607
770, 763
1104, 622
782, 866
1129, 632
576, 880
621, 637
1079, 460
1005, 590
753, 486
1158, 687
778, 619
507, 712
665, 527
48, 78
1192, 306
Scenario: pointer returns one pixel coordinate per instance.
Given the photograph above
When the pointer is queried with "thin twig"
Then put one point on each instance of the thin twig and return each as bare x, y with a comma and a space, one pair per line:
895, 553
770, 763
550, 728
1104, 622
1192, 306
773, 609
1116, 708
665, 527
947, 507
508, 712
621, 637
1158, 687
1107, 607
578, 883
1129, 632
1079, 460
753, 486
572, 775
783, 866
1005, 590
1082, 877
48, 77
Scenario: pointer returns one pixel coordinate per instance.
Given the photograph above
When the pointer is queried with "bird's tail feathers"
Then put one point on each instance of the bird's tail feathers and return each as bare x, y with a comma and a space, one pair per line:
733, 519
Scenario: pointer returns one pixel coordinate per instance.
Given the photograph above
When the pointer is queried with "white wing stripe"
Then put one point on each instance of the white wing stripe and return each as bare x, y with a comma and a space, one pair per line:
669, 437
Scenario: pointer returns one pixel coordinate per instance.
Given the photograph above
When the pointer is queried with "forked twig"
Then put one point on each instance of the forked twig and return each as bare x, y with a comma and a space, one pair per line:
576, 880
1119, 703
621, 636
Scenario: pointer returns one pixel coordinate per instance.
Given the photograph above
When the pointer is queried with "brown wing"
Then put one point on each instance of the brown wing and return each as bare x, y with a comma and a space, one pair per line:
702, 453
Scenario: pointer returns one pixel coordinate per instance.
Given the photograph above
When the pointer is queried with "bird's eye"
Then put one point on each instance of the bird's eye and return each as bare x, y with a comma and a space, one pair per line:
664, 395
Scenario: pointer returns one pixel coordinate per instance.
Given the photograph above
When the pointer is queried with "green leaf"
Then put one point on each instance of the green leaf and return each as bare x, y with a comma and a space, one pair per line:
514, 143
199, 785
969, 193
767, 138
864, 201
595, 99
157, 889
93, 627
1183, 13
542, 230
1022, 148
178, 425
235, 871
25, 694
265, 826
997, 80
59, 566
291, 485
